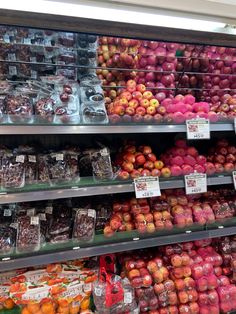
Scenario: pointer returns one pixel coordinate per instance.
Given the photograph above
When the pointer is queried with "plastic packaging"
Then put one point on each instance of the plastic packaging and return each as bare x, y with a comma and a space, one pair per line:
84, 225
101, 165
28, 234
45, 109
13, 171
7, 238
19, 108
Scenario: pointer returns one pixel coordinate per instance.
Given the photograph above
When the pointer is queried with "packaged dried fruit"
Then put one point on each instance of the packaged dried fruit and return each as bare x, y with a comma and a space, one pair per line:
101, 165
28, 234
7, 238
13, 171
45, 109
19, 108
57, 167
84, 225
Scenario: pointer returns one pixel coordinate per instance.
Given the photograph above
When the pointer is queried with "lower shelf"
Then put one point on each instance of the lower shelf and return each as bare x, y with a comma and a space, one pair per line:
123, 241
88, 187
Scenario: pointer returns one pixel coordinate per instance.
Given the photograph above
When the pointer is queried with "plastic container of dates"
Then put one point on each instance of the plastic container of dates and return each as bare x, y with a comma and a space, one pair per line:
91, 94
101, 165
13, 171
87, 41
45, 109
57, 168
87, 57
28, 234
19, 108
84, 225
65, 39
67, 104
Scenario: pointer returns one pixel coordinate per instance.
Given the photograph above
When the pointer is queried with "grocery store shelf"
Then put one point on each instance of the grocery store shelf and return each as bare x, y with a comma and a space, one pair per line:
76, 252
87, 187
104, 129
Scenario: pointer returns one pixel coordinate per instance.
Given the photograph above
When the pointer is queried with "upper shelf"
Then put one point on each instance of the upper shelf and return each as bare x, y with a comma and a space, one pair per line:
104, 129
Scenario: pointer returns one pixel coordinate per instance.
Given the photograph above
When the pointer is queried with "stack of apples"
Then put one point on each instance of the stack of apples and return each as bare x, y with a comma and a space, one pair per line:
158, 60
203, 213
139, 161
182, 108
148, 302
136, 104
184, 283
138, 273
167, 296
114, 52
183, 159
225, 108
222, 157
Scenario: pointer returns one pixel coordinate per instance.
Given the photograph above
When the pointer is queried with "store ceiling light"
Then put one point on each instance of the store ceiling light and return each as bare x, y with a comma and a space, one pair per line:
119, 14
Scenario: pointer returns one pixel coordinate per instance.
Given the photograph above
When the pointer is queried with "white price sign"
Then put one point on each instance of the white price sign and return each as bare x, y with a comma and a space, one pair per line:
195, 183
147, 187
198, 129
234, 179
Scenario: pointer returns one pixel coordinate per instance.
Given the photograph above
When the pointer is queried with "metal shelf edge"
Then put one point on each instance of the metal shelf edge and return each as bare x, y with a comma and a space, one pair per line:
98, 190
103, 129
112, 248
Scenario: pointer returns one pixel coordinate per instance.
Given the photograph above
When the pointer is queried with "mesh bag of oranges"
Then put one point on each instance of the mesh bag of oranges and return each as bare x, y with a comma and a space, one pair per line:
72, 298
6, 303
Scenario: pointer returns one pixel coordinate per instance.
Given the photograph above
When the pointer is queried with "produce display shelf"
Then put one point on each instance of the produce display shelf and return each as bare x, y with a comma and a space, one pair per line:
52, 253
10, 129
88, 187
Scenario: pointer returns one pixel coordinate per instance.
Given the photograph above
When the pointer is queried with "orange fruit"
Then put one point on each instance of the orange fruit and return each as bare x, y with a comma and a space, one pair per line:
85, 304
25, 311
63, 310
9, 304
74, 309
47, 308
33, 307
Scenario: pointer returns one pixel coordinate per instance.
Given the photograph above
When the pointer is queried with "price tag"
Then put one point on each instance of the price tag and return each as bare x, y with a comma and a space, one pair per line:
49, 210
59, 157
195, 183
7, 213
128, 297
234, 179
42, 216
34, 220
147, 187
91, 213
20, 158
198, 129
31, 212
12, 70
98, 291
32, 158
27, 41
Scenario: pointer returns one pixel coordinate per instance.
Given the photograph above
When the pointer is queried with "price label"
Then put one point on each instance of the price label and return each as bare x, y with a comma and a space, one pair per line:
147, 187
49, 210
234, 179
59, 157
32, 158
128, 297
20, 158
198, 129
31, 212
34, 220
195, 183
7, 213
